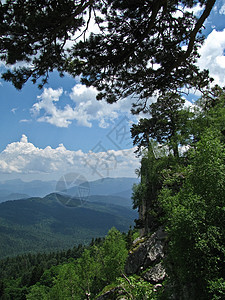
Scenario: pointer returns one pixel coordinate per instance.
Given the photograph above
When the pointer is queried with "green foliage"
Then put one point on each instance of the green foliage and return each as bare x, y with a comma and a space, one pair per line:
66, 284
37, 292
114, 252
217, 289
72, 274
139, 192
154, 173
167, 124
187, 193
209, 112
20, 274
196, 220
135, 287
98, 266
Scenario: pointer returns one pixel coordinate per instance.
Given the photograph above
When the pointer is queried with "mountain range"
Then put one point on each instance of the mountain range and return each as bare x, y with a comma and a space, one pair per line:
60, 221
18, 189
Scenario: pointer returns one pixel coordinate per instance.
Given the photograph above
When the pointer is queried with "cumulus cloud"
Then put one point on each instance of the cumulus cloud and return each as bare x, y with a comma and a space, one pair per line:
52, 114
23, 157
84, 108
212, 56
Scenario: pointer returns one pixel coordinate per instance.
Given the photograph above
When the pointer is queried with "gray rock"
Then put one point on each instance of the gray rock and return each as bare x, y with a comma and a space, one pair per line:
156, 274
147, 253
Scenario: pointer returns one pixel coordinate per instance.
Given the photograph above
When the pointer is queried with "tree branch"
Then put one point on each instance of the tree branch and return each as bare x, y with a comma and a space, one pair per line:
157, 4
201, 20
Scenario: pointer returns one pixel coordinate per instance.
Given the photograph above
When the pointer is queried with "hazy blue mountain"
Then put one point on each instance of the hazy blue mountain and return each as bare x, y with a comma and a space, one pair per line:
124, 194
4, 192
111, 199
13, 196
111, 186
36, 188
57, 222
115, 190
121, 187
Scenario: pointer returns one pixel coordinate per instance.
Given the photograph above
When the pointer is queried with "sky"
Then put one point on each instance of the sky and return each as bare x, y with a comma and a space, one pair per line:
45, 134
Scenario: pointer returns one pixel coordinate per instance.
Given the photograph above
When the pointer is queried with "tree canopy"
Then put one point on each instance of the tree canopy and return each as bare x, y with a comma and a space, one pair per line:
185, 193
166, 123
141, 47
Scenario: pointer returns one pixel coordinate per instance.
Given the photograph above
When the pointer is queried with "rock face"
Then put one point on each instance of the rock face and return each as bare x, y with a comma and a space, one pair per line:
145, 259
148, 253
155, 274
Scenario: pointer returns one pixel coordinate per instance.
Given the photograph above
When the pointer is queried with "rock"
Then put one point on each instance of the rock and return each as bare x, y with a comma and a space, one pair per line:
156, 274
146, 253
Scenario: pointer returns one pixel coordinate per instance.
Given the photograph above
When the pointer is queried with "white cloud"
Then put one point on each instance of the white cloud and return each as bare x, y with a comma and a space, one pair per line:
85, 108
197, 9
52, 114
212, 56
25, 158
25, 121
222, 10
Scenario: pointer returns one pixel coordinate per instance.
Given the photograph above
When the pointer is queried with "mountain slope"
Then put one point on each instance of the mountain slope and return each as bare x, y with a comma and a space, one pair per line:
40, 224
110, 199
111, 186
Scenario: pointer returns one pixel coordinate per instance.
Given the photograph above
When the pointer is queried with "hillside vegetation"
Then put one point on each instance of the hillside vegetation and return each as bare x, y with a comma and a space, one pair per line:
44, 224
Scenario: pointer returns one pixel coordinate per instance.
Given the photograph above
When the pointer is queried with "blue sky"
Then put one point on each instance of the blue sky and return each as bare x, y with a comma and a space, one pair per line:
62, 128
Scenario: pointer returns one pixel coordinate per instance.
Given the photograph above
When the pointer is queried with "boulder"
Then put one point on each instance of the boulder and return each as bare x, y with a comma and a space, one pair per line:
146, 253
156, 274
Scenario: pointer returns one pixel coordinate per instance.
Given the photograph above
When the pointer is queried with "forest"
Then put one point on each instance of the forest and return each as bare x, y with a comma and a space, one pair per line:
144, 49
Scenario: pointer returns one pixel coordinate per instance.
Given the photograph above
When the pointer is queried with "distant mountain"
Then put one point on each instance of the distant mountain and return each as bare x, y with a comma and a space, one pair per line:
36, 188
108, 199
57, 222
121, 187
13, 196
124, 194
111, 186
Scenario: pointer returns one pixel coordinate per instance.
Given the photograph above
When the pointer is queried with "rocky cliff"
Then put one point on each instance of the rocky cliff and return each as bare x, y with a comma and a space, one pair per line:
145, 260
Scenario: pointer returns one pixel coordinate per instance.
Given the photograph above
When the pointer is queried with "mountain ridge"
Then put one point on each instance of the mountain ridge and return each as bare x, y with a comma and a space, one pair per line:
48, 223
120, 186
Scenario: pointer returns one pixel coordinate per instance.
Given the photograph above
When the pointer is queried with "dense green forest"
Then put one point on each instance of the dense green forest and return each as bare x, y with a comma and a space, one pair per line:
45, 224
67, 274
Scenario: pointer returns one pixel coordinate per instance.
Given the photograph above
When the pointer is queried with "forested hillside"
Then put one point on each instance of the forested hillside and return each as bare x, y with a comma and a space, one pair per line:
44, 224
